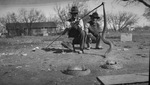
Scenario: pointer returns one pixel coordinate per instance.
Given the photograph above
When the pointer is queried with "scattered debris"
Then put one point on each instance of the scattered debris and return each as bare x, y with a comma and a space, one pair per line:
49, 69
127, 46
3, 54
119, 49
11, 53
7, 54
80, 52
139, 54
5, 73
19, 67
27, 65
35, 48
110, 62
125, 49
24, 54
142, 55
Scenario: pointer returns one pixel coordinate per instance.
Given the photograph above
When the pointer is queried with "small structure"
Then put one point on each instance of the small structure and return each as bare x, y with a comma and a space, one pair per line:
38, 28
126, 37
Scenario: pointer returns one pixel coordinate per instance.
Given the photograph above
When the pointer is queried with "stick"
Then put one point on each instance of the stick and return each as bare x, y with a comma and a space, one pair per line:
54, 41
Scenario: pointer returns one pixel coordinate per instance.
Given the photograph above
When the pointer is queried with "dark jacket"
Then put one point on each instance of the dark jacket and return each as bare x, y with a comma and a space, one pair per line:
74, 31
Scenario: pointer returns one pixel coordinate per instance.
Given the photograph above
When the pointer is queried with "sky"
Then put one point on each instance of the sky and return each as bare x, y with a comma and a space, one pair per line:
47, 7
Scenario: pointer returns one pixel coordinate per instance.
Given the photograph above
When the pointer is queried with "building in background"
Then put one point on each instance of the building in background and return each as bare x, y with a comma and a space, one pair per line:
38, 28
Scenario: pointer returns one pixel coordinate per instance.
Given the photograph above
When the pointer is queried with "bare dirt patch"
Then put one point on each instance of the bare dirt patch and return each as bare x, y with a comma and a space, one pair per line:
19, 65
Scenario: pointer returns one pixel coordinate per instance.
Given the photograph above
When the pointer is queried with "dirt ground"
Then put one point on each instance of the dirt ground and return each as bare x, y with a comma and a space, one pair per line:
20, 65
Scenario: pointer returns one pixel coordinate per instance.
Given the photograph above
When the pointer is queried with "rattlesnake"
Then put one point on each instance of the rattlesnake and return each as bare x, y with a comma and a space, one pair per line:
103, 34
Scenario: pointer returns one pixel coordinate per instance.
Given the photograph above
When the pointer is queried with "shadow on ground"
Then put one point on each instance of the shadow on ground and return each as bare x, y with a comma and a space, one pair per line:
56, 50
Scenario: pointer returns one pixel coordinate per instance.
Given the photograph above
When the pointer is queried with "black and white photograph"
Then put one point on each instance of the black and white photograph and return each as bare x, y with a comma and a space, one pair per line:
74, 42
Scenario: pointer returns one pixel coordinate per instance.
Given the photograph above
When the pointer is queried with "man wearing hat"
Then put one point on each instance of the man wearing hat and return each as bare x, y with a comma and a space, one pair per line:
94, 30
75, 29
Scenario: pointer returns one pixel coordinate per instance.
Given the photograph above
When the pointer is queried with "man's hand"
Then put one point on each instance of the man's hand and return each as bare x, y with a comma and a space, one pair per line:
75, 24
103, 3
65, 31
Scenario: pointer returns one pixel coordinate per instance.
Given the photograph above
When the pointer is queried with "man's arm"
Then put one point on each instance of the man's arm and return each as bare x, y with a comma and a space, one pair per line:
78, 24
81, 24
86, 27
67, 27
65, 31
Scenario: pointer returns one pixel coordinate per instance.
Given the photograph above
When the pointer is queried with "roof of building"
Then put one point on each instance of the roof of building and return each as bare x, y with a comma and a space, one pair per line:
33, 25
44, 24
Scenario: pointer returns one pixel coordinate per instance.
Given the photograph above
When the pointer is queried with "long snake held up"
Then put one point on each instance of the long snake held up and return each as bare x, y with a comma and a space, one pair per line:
103, 34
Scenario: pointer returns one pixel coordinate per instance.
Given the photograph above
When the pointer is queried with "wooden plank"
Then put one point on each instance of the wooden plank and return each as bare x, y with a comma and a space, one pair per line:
124, 79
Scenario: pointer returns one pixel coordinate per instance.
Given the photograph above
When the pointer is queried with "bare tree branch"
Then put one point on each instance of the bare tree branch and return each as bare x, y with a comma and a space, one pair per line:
147, 14
122, 20
145, 2
31, 16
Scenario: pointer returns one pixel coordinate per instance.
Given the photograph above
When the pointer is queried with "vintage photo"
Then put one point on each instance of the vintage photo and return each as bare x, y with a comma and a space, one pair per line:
74, 42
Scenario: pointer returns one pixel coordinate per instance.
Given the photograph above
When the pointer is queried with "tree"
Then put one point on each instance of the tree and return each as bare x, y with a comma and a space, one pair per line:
145, 2
9, 18
111, 19
31, 16
147, 14
122, 20
63, 12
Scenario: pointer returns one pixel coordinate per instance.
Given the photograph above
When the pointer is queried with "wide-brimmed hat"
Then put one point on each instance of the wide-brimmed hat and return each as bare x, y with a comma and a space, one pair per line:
95, 15
74, 10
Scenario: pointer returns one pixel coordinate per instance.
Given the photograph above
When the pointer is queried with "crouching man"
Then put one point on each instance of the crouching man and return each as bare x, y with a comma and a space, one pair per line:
94, 31
74, 27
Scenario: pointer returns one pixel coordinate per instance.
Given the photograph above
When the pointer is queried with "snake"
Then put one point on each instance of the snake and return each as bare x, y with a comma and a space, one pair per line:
106, 41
